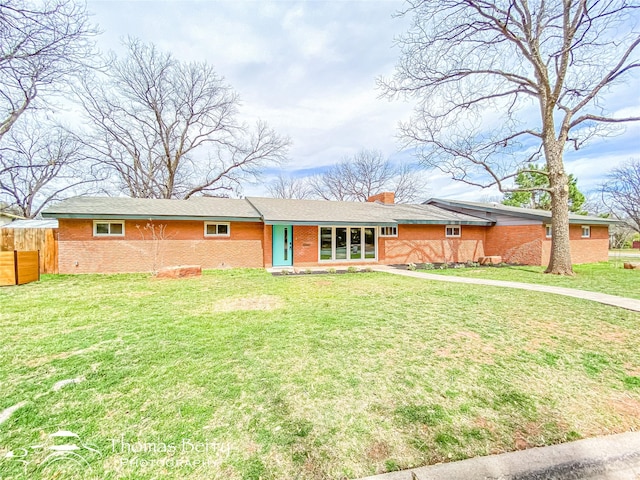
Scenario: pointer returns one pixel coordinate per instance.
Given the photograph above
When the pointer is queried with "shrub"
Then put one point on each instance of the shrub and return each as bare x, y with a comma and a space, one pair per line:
352, 270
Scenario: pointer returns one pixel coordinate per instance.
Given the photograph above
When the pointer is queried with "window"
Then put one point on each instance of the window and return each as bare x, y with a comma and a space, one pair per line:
586, 231
548, 231
452, 231
216, 229
108, 229
388, 231
347, 243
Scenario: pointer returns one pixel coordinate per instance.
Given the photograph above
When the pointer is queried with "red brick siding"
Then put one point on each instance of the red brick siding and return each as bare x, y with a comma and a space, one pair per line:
428, 243
583, 250
521, 244
268, 246
183, 243
250, 245
388, 198
305, 245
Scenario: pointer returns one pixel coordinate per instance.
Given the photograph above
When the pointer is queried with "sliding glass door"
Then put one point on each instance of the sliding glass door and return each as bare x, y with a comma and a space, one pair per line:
347, 243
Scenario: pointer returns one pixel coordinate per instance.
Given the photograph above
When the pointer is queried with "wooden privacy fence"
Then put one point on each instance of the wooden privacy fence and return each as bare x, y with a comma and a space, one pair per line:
17, 268
44, 240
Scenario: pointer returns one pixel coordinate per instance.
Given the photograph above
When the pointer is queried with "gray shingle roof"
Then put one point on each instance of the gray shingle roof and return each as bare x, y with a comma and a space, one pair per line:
277, 210
493, 207
323, 212
142, 208
269, 210
432, 214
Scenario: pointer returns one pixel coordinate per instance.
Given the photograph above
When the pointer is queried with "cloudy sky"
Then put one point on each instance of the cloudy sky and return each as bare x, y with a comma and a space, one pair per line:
309, 70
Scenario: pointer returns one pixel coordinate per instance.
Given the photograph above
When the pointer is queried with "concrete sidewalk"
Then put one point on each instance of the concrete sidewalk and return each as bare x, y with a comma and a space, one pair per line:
615, 457
623, 255
622, 302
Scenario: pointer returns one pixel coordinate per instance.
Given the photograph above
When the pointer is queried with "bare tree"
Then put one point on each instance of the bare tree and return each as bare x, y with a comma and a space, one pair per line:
365, 174
501, 83
169, 129
40, 164
621, 192
43, 45
289, 187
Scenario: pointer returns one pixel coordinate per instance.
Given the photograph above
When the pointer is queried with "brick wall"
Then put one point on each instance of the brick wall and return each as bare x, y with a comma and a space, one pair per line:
521, 244
183, 242
305, 245
428, 243
250, 245
267, 246
583, 250
388, 198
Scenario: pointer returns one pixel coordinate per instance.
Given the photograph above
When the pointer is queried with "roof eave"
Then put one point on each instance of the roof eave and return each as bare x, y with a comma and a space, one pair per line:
208, 218
330, 223
445, 222
587, 220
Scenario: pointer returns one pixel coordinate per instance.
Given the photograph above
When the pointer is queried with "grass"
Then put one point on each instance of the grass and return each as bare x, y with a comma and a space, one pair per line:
241, 375
605, 277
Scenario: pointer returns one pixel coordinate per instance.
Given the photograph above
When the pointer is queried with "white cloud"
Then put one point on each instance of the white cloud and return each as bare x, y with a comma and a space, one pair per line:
309, 69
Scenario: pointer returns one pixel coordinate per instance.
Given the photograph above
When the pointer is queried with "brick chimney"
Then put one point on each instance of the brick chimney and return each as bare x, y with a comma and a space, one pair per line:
388, 198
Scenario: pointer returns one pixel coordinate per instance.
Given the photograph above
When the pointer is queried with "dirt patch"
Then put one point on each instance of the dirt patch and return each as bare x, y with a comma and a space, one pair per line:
526, 437
628, 408
378, 451
614, 336
468, 344
485, 424
632, 370
259, 302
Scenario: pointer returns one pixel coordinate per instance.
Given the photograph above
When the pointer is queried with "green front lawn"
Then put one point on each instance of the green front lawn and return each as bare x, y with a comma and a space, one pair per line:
605, 277
241, 375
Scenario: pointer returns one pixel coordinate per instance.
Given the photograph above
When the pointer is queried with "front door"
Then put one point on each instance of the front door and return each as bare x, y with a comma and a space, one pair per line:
282, 245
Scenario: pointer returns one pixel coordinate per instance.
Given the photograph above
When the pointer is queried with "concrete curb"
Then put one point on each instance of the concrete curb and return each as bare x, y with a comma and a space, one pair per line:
615, 457
613, 300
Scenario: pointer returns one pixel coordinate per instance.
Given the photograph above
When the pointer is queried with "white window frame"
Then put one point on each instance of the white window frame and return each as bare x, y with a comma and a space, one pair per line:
446, 231
333, 258
393, 234
228, 234
548, 231
586, 228
108, 222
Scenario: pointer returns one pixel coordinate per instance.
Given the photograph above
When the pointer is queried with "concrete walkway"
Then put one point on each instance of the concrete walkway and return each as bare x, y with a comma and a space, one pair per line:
623, 255
614, 457
622, 302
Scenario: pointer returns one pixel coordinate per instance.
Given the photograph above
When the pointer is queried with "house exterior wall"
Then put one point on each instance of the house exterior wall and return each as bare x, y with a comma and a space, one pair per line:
429, 244
583, 250
182, 242
305, 245
250, 245
267, 243
521, 244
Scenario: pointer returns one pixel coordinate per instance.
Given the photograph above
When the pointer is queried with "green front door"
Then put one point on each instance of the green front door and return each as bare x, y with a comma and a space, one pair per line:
282, 245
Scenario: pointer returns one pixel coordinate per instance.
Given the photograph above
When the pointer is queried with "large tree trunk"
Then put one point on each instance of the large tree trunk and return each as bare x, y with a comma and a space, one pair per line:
560, 261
